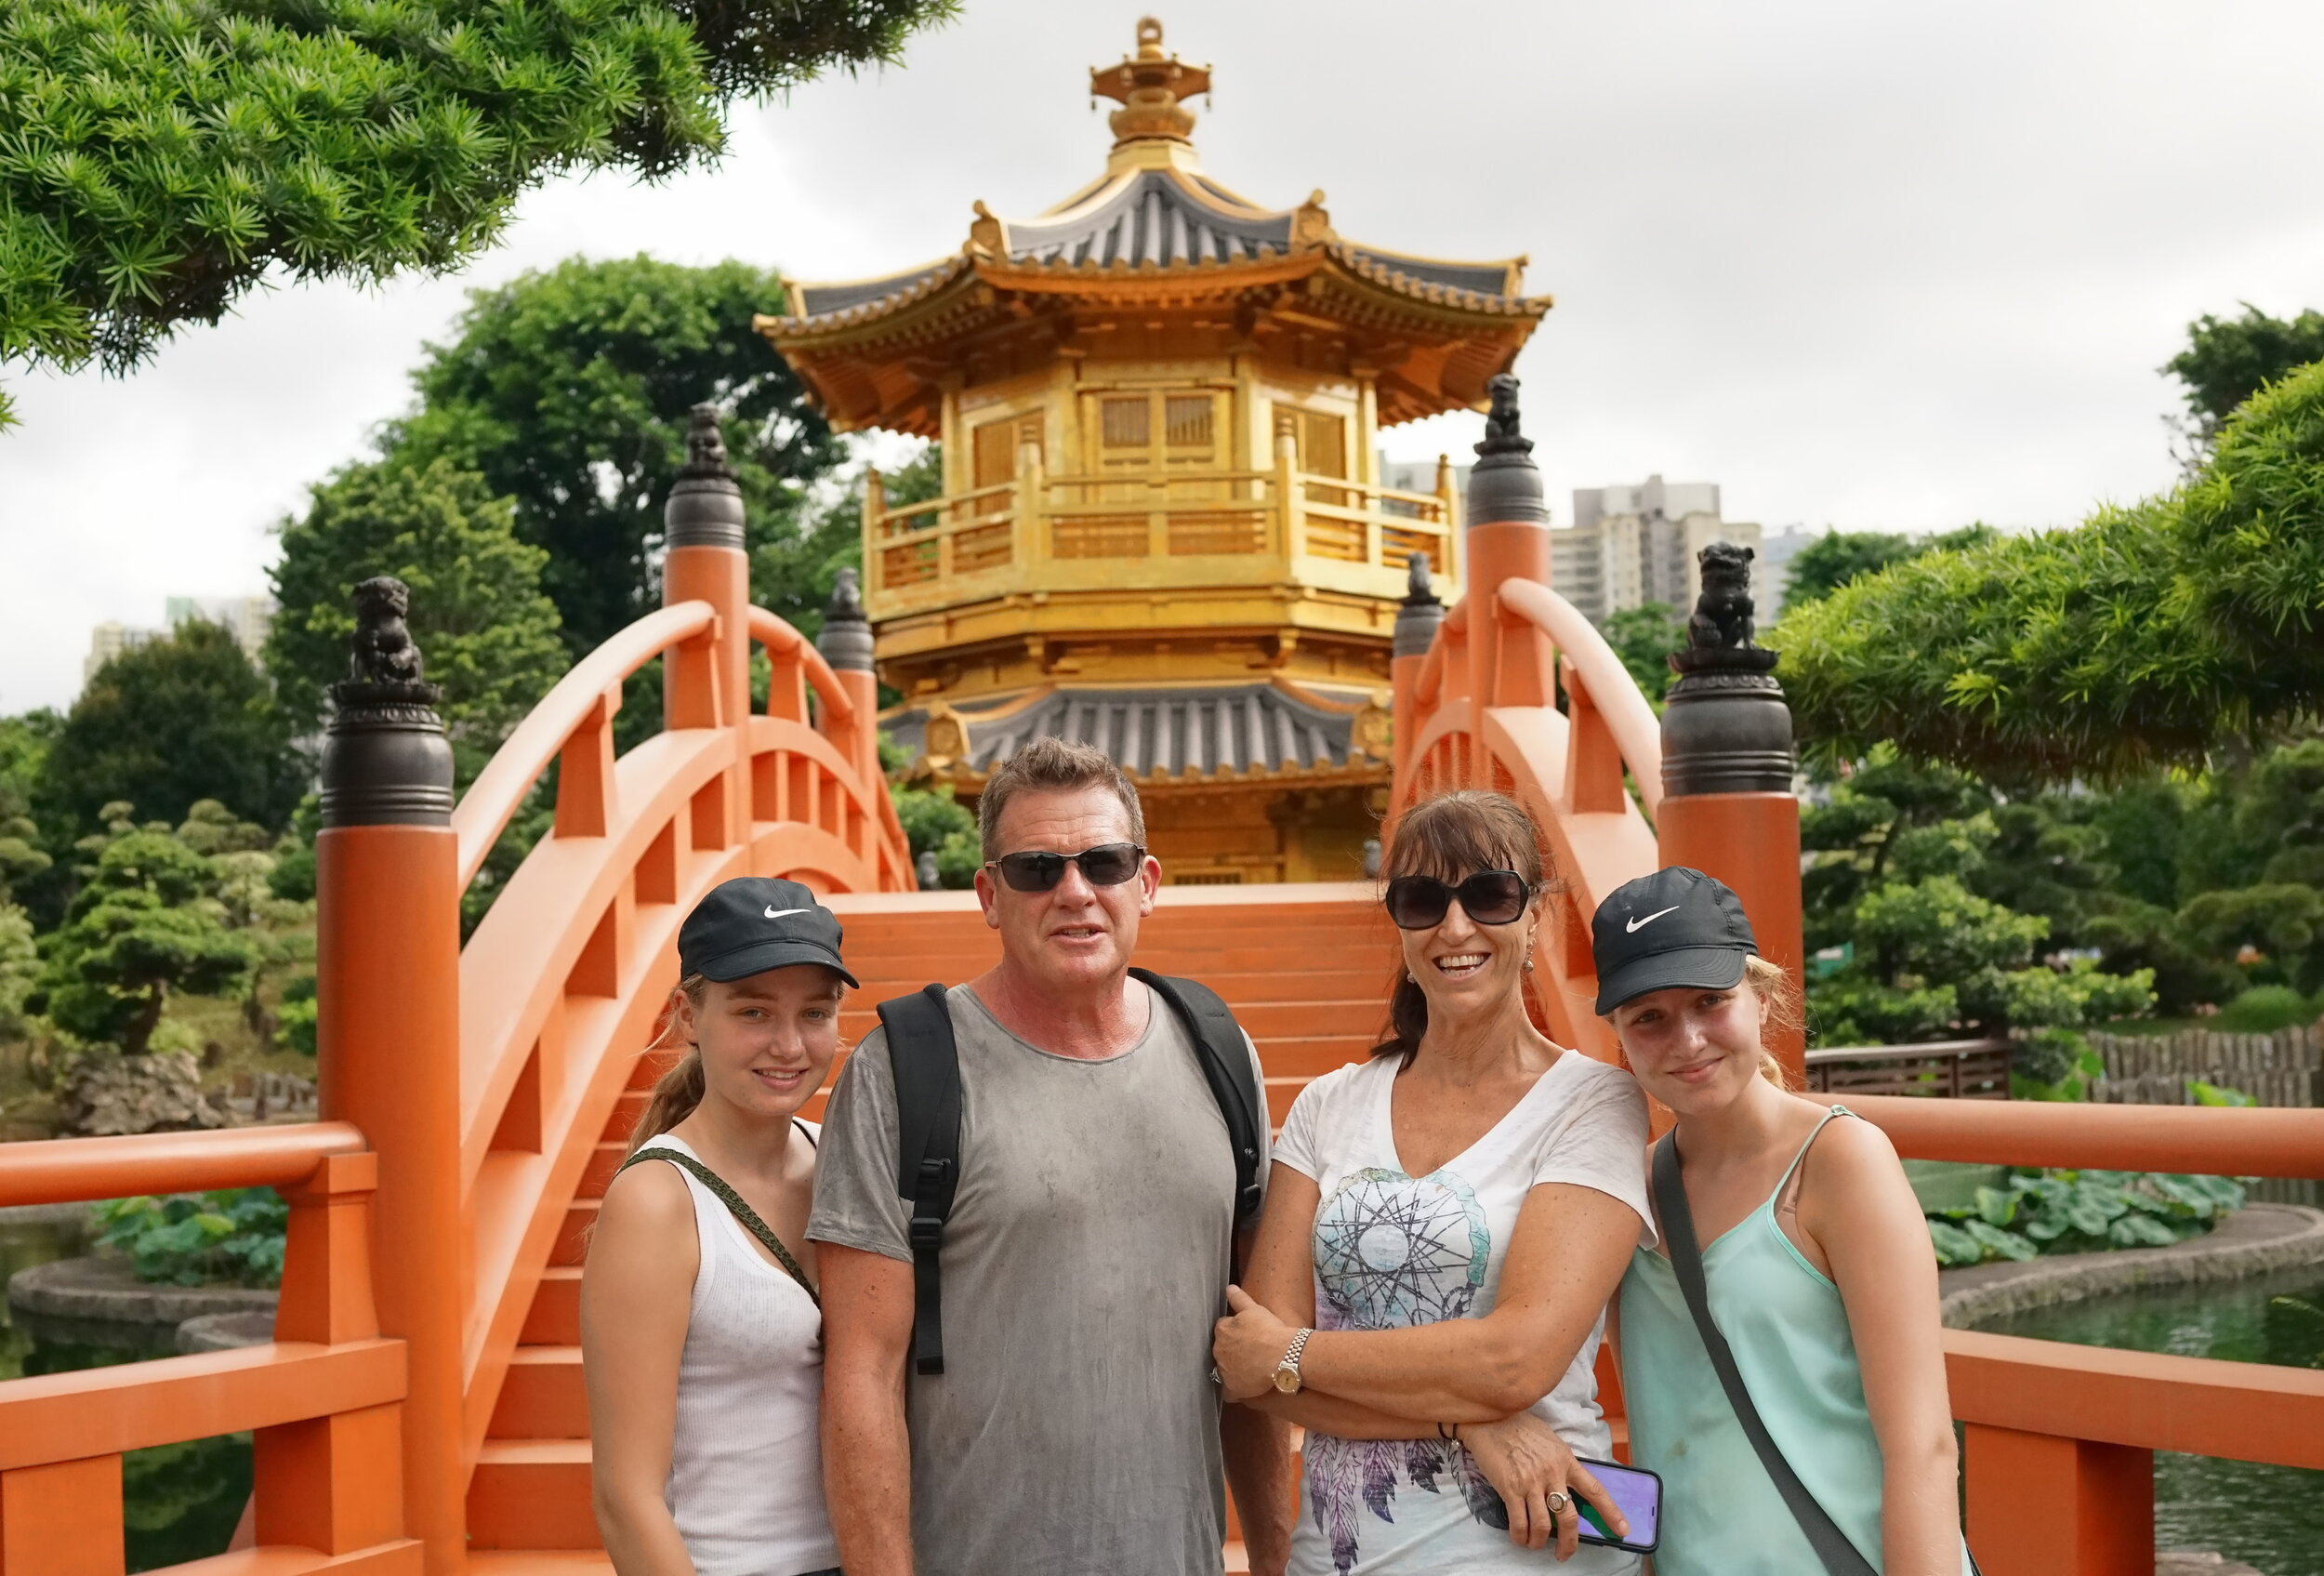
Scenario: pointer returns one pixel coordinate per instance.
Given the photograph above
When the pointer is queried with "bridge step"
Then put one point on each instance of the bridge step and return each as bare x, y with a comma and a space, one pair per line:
554, 1318
573, 1236
532, 1494
542, 1398
552, 1562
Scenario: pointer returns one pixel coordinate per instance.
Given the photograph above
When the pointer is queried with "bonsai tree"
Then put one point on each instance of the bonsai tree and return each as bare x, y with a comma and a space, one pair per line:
144, 926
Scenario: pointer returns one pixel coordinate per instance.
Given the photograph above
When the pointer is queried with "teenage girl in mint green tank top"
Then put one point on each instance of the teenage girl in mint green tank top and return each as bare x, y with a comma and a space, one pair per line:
1815, 1260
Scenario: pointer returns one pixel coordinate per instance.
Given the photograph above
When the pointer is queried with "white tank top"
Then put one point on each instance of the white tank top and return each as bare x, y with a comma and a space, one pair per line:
746, 1472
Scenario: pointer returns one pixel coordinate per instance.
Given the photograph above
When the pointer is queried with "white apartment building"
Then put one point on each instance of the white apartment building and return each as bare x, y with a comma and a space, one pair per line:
1636, 544
248, 618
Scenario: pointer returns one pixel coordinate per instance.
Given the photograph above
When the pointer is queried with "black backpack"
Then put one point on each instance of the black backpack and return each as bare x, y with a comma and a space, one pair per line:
927, 1063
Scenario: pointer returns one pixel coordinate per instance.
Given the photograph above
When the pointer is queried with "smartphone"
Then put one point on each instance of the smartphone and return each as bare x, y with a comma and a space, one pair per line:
1638, 1492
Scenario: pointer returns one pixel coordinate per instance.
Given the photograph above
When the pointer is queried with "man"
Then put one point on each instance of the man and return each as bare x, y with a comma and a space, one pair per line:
1076, 1429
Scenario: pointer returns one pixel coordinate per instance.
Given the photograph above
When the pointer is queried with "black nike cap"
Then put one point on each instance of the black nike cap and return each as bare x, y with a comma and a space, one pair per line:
1676, 927
754, 924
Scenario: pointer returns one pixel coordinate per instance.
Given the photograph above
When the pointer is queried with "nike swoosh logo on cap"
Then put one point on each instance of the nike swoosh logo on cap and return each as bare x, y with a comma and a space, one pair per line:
1633, 926
774, 913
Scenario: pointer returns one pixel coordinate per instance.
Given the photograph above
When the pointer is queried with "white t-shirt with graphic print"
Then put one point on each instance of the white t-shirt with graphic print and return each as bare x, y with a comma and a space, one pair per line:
1391, 1251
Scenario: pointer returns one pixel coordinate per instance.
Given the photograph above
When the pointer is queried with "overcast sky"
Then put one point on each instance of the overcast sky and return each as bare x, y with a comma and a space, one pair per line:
1894, 266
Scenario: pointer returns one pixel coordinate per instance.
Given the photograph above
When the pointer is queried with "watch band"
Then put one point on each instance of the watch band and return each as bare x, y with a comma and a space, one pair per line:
1290, 1363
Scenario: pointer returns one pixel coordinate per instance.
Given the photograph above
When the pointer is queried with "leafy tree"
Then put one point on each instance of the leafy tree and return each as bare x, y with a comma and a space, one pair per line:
2229, 360
2153, 635
163, 157
144, 926
934, 824
487, 634
570, 393
19, 966
23, 748
167, 723
1909, 867
1644, 637
1837, 557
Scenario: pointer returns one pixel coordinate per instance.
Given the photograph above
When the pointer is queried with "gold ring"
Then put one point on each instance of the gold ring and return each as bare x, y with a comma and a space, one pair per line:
1557, 1501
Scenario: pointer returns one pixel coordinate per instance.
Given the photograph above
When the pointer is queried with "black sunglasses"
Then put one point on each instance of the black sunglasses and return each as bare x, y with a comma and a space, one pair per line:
1109, 864
1490, 897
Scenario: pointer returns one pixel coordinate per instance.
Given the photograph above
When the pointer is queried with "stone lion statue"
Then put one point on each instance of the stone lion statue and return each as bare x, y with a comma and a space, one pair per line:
1722, 614
383, 649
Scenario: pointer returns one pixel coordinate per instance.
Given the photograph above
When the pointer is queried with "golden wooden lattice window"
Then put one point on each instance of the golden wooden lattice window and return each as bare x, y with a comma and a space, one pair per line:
1186, 422
1125, 422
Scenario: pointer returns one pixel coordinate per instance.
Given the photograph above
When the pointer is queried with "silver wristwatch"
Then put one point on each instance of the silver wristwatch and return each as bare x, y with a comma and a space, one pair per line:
1287, 1371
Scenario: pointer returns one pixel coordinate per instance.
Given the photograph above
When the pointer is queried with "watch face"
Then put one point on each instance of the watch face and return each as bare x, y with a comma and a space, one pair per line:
1287, 1381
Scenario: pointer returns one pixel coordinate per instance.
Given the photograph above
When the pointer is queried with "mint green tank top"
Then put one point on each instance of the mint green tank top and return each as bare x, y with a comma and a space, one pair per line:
1720, 1515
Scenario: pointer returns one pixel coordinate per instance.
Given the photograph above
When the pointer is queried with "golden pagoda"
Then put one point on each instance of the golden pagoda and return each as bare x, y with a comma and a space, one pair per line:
1162, 529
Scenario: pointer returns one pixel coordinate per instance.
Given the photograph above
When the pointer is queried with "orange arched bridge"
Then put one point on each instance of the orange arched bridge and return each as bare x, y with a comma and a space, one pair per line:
420, 1409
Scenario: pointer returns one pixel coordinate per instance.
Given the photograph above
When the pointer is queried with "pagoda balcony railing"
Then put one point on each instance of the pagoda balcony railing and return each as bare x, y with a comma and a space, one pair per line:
1144, 530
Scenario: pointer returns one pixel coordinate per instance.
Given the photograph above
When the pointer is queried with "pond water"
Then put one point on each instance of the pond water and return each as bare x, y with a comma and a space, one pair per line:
178, 1502
2270, 1517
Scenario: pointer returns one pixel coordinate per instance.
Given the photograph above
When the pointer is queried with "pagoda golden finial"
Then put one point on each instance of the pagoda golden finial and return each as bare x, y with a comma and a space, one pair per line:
1151, 89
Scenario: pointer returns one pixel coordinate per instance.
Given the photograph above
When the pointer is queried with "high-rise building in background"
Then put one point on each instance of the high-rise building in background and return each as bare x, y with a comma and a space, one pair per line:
1773, 567
1631, 544
247, 618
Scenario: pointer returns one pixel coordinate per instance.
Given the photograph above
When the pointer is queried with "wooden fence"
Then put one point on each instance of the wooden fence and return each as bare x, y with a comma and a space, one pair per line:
1958, 1069
2285, 1068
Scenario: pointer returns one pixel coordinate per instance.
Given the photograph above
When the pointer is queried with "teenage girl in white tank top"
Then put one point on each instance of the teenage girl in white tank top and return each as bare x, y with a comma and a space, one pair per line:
701, 1335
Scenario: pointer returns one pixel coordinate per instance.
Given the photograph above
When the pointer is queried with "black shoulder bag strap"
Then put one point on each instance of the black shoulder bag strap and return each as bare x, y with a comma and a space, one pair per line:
1219, 1047
733, 1202
927, 1064
1840, 1557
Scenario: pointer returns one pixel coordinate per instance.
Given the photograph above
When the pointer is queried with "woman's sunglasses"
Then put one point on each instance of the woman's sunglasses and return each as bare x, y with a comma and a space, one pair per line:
1490, 897
1109, 864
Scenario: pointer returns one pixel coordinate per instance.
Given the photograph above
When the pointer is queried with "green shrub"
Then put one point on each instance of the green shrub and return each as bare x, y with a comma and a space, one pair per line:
2264, 1008
2080, 1211
295, 1021
232, 1236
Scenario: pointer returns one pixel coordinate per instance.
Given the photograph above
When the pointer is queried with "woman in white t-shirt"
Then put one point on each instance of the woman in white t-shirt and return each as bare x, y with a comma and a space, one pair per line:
1450, 1218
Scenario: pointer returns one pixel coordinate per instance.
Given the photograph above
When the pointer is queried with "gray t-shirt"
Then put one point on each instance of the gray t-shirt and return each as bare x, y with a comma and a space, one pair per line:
1074, 1430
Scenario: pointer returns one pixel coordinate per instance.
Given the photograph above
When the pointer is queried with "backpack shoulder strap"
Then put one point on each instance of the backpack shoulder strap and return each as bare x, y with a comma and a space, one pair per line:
1226, 1068
1838, 1556
927, 1064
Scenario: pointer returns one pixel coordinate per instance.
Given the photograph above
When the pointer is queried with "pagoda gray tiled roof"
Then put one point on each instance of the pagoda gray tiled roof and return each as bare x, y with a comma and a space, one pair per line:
1229, 729
818, 300
1149, 218
1157, 218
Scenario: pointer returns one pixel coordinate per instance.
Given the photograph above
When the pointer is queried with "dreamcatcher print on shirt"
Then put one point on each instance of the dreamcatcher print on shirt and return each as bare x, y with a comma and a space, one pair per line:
1392, 1251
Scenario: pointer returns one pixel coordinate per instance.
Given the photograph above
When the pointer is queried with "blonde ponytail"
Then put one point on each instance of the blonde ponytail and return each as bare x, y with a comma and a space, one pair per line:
1774, 986
678, 1091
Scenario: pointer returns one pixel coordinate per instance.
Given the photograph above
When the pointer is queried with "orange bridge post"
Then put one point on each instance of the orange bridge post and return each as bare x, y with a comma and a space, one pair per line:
846, 644
705, 684
1416, 622
1507, 537
1727, 805
388, 1031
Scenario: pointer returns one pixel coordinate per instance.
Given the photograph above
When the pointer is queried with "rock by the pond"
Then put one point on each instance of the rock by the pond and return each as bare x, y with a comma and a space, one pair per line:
108, 1289
2255, 1239
110, 1094
223, 1332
